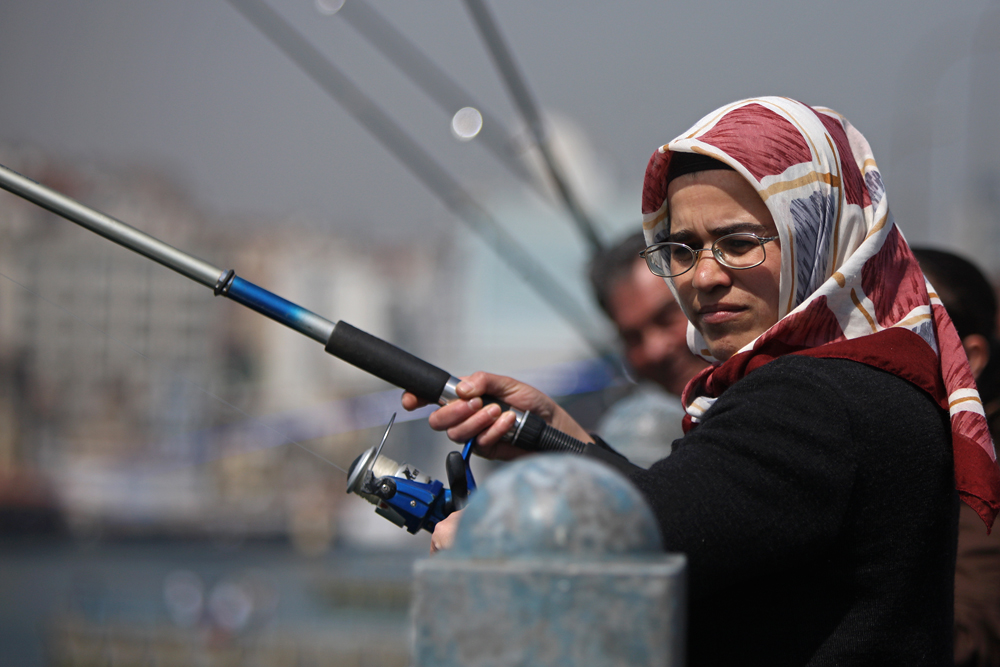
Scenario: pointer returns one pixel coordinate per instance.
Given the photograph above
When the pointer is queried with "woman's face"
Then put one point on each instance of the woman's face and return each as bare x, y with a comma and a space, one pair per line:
729, 307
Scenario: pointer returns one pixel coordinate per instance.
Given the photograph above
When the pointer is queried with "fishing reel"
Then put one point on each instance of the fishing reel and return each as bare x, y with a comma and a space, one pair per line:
404, 495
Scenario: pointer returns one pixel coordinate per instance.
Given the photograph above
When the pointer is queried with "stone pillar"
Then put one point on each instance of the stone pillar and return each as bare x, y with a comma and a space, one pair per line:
557, 561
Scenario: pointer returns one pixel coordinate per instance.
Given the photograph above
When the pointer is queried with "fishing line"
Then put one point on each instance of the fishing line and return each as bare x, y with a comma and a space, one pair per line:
253, 420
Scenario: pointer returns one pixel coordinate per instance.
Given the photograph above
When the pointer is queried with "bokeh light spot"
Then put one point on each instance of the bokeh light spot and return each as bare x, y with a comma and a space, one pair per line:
184, 595
466, 123
230, 605
329, 7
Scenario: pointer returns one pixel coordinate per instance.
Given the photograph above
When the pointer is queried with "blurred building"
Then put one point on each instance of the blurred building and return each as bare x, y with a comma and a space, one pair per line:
133, 389
153, 406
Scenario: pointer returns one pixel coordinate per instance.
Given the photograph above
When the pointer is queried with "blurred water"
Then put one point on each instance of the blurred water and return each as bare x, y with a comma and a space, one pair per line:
161, 602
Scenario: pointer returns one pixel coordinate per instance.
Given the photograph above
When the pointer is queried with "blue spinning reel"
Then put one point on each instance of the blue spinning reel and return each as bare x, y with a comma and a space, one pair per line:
404, 495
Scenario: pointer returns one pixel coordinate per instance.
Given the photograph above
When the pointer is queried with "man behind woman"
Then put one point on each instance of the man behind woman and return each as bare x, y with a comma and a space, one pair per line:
971, 302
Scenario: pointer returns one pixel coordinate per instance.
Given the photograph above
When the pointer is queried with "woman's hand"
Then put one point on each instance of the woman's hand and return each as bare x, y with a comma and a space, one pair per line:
468, 418
443, 536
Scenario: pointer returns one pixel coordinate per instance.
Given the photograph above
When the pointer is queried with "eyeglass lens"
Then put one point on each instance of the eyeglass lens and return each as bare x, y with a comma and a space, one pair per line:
737, 251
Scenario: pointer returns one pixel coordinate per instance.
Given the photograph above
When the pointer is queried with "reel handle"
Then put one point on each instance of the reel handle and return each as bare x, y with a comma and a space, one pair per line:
456, 468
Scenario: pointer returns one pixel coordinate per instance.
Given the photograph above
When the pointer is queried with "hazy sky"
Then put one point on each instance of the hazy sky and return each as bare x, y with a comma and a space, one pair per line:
190, 86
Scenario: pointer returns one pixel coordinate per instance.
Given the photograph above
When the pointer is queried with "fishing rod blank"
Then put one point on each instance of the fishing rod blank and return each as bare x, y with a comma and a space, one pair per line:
418, 161
356, 347
435, 83
518, 88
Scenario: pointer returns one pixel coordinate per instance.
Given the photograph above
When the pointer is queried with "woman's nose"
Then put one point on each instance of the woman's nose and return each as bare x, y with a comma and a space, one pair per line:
708, 272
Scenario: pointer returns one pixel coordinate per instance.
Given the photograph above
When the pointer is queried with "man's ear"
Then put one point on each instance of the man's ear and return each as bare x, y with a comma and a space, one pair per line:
977, 348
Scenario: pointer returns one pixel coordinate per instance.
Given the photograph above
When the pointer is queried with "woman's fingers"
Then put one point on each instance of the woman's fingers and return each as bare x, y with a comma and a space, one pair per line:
481, 383
453, 413
490, 435
411, 402
468, 417
473, 422
443, 536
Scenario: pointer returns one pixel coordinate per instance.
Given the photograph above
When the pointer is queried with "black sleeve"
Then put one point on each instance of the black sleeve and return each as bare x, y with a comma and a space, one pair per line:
764, 480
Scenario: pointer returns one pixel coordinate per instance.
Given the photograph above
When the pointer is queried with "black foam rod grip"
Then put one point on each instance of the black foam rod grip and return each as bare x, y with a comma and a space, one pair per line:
387, 361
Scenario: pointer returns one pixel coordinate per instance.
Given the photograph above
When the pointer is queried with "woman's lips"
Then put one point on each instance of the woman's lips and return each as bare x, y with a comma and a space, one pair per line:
719, 313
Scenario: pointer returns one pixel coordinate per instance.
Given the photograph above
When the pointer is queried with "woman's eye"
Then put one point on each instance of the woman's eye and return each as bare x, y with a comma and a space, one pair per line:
738, 245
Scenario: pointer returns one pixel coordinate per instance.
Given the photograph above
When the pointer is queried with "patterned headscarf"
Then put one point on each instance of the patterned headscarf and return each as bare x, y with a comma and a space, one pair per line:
850, 288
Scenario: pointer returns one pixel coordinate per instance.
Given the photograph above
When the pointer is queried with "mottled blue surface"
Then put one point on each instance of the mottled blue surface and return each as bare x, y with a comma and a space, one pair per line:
557, 561
549, 612
556, 504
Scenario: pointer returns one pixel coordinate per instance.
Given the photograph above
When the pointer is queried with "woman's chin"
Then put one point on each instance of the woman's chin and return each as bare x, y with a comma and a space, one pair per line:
723, 348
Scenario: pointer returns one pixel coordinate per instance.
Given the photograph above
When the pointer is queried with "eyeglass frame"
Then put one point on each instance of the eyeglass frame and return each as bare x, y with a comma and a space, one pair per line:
715, 253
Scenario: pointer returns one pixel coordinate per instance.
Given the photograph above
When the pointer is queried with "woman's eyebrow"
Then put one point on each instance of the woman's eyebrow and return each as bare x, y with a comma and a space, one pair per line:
682, 235
738, 227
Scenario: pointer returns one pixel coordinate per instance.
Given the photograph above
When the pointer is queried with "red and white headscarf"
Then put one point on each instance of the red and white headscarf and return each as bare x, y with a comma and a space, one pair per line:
850, 288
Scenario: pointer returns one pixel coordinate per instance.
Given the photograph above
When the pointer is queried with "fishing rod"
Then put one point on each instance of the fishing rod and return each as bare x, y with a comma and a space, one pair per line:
436, 84
518, 89
419, 162
450, 96
340, 339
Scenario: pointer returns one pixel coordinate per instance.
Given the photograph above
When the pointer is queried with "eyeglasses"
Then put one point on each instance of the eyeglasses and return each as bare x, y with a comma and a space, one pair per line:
735, 251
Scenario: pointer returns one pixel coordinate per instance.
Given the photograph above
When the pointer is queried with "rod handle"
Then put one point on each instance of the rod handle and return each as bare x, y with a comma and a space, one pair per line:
537, 436
386, 361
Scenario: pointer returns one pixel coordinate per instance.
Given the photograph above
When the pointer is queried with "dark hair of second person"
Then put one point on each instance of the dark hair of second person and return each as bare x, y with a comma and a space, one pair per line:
971, 303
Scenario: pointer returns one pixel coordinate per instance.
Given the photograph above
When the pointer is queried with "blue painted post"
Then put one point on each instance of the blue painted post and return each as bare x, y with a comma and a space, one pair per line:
557, 561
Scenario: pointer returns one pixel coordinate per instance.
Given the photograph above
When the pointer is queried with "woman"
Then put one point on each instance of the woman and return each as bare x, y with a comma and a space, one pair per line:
815, 490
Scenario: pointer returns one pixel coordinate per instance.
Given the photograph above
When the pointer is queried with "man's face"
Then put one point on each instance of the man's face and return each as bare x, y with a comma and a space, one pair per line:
653, 328
729, 307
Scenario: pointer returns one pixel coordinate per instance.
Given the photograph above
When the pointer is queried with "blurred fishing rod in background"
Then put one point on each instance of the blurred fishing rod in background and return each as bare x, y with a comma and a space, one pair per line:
421, 164
517, 87
453, 99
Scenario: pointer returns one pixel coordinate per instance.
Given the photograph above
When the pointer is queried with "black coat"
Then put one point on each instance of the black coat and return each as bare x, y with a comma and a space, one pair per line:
816, 503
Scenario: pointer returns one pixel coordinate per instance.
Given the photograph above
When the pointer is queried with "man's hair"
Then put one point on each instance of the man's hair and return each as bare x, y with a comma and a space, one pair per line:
963, 289
613, 264
972, 305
